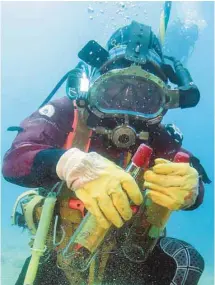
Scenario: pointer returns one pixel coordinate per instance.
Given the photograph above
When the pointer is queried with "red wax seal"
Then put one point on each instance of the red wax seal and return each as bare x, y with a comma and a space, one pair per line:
142, 156
135, 209
182, 157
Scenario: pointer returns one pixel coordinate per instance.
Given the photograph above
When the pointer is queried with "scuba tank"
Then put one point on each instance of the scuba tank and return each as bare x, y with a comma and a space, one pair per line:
89, 236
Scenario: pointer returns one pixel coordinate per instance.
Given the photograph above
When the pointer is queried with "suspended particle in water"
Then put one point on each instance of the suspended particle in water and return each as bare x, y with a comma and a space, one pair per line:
91, 53
120, 12
90, 9
91, 17
102, 11
127, 18
122, 5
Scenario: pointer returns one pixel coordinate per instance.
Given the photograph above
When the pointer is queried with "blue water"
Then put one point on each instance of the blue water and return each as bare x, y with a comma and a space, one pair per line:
40, 41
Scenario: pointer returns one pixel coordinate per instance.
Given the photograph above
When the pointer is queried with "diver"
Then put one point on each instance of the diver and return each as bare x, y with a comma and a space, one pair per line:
116, 99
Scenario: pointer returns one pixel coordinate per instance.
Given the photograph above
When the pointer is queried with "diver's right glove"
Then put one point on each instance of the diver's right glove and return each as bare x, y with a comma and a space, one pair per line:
103, 187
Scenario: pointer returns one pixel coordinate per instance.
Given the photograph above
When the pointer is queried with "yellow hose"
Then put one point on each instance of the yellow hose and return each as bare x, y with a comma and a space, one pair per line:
162, 30
164, 20
39, 247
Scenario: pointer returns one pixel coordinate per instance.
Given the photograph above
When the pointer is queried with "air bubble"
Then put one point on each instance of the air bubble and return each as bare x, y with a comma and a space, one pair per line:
90, 9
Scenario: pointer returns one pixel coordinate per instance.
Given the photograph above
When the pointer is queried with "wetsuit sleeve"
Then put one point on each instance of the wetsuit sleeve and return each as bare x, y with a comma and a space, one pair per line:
32, 158
31, 161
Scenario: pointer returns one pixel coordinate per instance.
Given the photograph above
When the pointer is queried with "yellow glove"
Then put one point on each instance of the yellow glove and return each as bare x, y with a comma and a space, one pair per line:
172, 185
103, 187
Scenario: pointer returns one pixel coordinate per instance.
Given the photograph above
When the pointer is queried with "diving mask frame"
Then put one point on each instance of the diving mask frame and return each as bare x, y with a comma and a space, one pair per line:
143, 58
125, 135
134, 71
87, 97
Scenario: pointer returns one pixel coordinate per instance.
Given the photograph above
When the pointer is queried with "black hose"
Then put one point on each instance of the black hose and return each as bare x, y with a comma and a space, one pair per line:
53, 92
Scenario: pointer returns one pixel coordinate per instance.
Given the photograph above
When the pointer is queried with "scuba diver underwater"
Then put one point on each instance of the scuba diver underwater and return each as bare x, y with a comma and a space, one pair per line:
103, 169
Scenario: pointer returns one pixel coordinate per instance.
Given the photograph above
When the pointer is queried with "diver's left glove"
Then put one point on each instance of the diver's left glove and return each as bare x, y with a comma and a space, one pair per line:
103, 187
172, 185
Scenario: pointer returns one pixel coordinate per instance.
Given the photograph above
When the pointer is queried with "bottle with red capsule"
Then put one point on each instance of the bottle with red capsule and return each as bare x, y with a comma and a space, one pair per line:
89, 236
147, 226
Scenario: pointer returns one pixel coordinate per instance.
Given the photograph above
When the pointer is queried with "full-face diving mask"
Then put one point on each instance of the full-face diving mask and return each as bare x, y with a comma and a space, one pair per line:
130, 82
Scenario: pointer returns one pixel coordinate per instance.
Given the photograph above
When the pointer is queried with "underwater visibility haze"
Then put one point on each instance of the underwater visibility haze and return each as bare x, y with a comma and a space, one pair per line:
40, 43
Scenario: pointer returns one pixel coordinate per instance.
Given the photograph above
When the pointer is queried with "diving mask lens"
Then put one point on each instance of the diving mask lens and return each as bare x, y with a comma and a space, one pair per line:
127, 94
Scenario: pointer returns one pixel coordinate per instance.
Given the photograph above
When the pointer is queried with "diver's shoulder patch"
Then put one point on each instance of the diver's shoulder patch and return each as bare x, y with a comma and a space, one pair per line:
174, 132
47, 110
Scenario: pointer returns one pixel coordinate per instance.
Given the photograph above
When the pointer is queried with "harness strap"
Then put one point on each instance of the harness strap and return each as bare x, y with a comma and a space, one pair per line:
80, 136
69, 140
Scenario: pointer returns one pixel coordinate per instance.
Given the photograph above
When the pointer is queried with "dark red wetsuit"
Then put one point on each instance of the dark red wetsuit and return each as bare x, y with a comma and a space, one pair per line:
32, 158
31, 162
